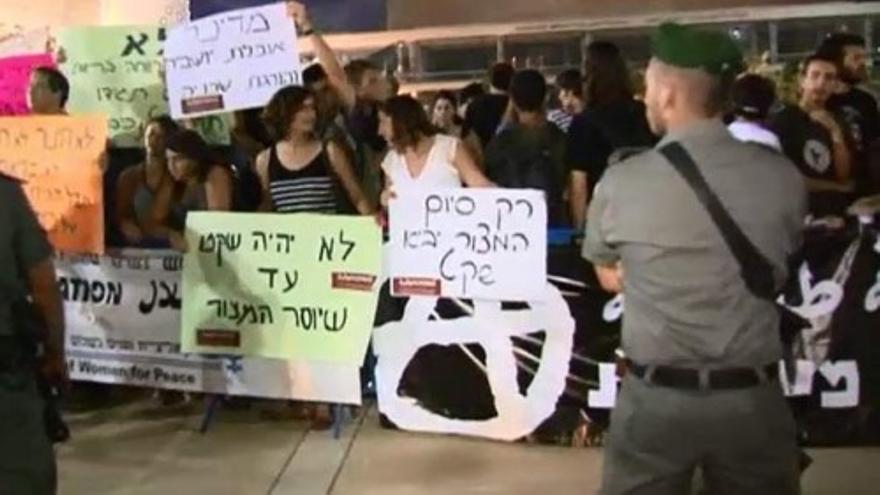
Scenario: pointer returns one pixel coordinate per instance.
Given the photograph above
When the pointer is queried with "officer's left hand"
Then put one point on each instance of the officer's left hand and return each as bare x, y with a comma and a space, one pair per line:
610, 277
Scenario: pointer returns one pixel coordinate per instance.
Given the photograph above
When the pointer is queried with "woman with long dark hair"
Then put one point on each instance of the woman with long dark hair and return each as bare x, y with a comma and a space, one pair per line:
419, 157
613, 122
440, 378
444, 114
198, 180
300, 173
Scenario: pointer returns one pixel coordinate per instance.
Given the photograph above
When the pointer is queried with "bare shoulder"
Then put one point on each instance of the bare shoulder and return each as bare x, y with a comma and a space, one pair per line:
219, 173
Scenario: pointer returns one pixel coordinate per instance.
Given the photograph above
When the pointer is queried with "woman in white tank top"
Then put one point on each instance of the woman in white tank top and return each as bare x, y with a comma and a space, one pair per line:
419, 158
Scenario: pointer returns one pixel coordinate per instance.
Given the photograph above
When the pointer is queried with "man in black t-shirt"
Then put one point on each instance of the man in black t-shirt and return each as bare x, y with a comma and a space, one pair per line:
530, 152
817, 140
484, 114
856, 105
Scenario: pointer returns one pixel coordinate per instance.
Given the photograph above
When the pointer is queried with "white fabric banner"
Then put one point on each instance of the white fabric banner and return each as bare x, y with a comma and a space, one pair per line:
123, 327
230, 61
469, 243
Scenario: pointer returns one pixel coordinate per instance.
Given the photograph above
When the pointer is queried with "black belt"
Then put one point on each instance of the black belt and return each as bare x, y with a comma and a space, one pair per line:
692, 379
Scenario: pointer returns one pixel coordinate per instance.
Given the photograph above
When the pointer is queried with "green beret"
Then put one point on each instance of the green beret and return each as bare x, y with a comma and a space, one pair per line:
690, 48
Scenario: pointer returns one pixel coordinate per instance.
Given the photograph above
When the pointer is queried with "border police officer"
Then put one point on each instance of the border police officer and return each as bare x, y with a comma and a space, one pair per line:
702, 384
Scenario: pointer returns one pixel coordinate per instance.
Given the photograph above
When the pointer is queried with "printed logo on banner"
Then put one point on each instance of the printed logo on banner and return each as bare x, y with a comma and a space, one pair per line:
414, 286
353, 281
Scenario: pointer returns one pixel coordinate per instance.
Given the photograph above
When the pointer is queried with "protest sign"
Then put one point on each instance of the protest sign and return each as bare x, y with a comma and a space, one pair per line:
17, 41
281, 286
160, 12
469, 243
123, 327
58, 160
116, 71
15, 75
230, 61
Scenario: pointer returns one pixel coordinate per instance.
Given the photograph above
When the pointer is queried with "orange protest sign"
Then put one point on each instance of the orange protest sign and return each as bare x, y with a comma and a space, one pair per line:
58, 159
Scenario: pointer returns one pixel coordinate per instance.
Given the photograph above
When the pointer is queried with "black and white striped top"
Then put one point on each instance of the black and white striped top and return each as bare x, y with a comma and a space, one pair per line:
310, 189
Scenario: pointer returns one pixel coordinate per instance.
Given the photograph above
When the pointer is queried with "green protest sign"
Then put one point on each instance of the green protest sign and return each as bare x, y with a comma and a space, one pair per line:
296, 287
215, 129
117, 71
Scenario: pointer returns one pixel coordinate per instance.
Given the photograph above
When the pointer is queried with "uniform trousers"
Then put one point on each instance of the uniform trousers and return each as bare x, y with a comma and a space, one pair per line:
27, 458
743, 441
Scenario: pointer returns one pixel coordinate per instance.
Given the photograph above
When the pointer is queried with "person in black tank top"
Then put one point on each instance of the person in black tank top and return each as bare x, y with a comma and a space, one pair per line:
299, 173
306, 190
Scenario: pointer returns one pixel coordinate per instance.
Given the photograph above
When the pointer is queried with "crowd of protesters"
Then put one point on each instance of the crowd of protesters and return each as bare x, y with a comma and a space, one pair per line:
344, 141
336, 143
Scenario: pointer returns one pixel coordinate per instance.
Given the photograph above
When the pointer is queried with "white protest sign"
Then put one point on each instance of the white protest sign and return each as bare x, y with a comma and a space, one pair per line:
230, 61
14, 40
470, 243
123, 327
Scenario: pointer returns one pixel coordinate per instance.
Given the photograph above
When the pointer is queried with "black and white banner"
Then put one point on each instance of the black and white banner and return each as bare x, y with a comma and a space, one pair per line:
509, 370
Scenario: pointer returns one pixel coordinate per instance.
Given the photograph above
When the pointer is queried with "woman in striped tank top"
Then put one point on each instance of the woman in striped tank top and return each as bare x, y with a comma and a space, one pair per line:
299, 173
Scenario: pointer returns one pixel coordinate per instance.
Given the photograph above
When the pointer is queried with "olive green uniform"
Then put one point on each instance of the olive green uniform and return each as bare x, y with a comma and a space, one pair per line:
687, 307
27, 463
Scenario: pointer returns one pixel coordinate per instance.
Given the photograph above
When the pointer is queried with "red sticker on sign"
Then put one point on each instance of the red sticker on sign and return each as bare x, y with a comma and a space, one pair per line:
218, 338
416, 286
201, 104
354, 281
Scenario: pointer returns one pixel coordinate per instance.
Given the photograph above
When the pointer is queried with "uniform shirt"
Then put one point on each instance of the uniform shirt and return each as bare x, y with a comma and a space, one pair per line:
23, 245
686, 303
596, 133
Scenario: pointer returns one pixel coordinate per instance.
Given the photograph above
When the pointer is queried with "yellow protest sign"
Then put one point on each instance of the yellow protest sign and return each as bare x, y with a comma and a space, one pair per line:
296, 287
58, 159
116, 70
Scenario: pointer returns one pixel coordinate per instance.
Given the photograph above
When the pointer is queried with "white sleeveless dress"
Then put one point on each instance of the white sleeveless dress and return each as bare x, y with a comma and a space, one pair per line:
438, 173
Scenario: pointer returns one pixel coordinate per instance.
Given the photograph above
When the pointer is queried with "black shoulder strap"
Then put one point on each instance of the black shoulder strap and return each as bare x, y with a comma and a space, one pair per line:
756, 270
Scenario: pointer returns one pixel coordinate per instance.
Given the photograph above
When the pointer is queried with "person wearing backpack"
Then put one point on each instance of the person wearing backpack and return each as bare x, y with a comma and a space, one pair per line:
530, 152
697, 235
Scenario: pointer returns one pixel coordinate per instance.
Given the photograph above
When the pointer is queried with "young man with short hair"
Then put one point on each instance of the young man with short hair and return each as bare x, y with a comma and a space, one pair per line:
530, 152
853, 103
485, 112
817, 140
48, 92
753, 97
571, 99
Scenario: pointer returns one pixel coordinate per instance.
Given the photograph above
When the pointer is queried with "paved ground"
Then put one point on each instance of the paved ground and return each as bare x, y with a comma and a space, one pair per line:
141, 448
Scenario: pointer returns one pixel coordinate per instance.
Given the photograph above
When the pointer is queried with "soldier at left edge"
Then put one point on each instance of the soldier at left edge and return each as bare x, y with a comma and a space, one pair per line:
33, 369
